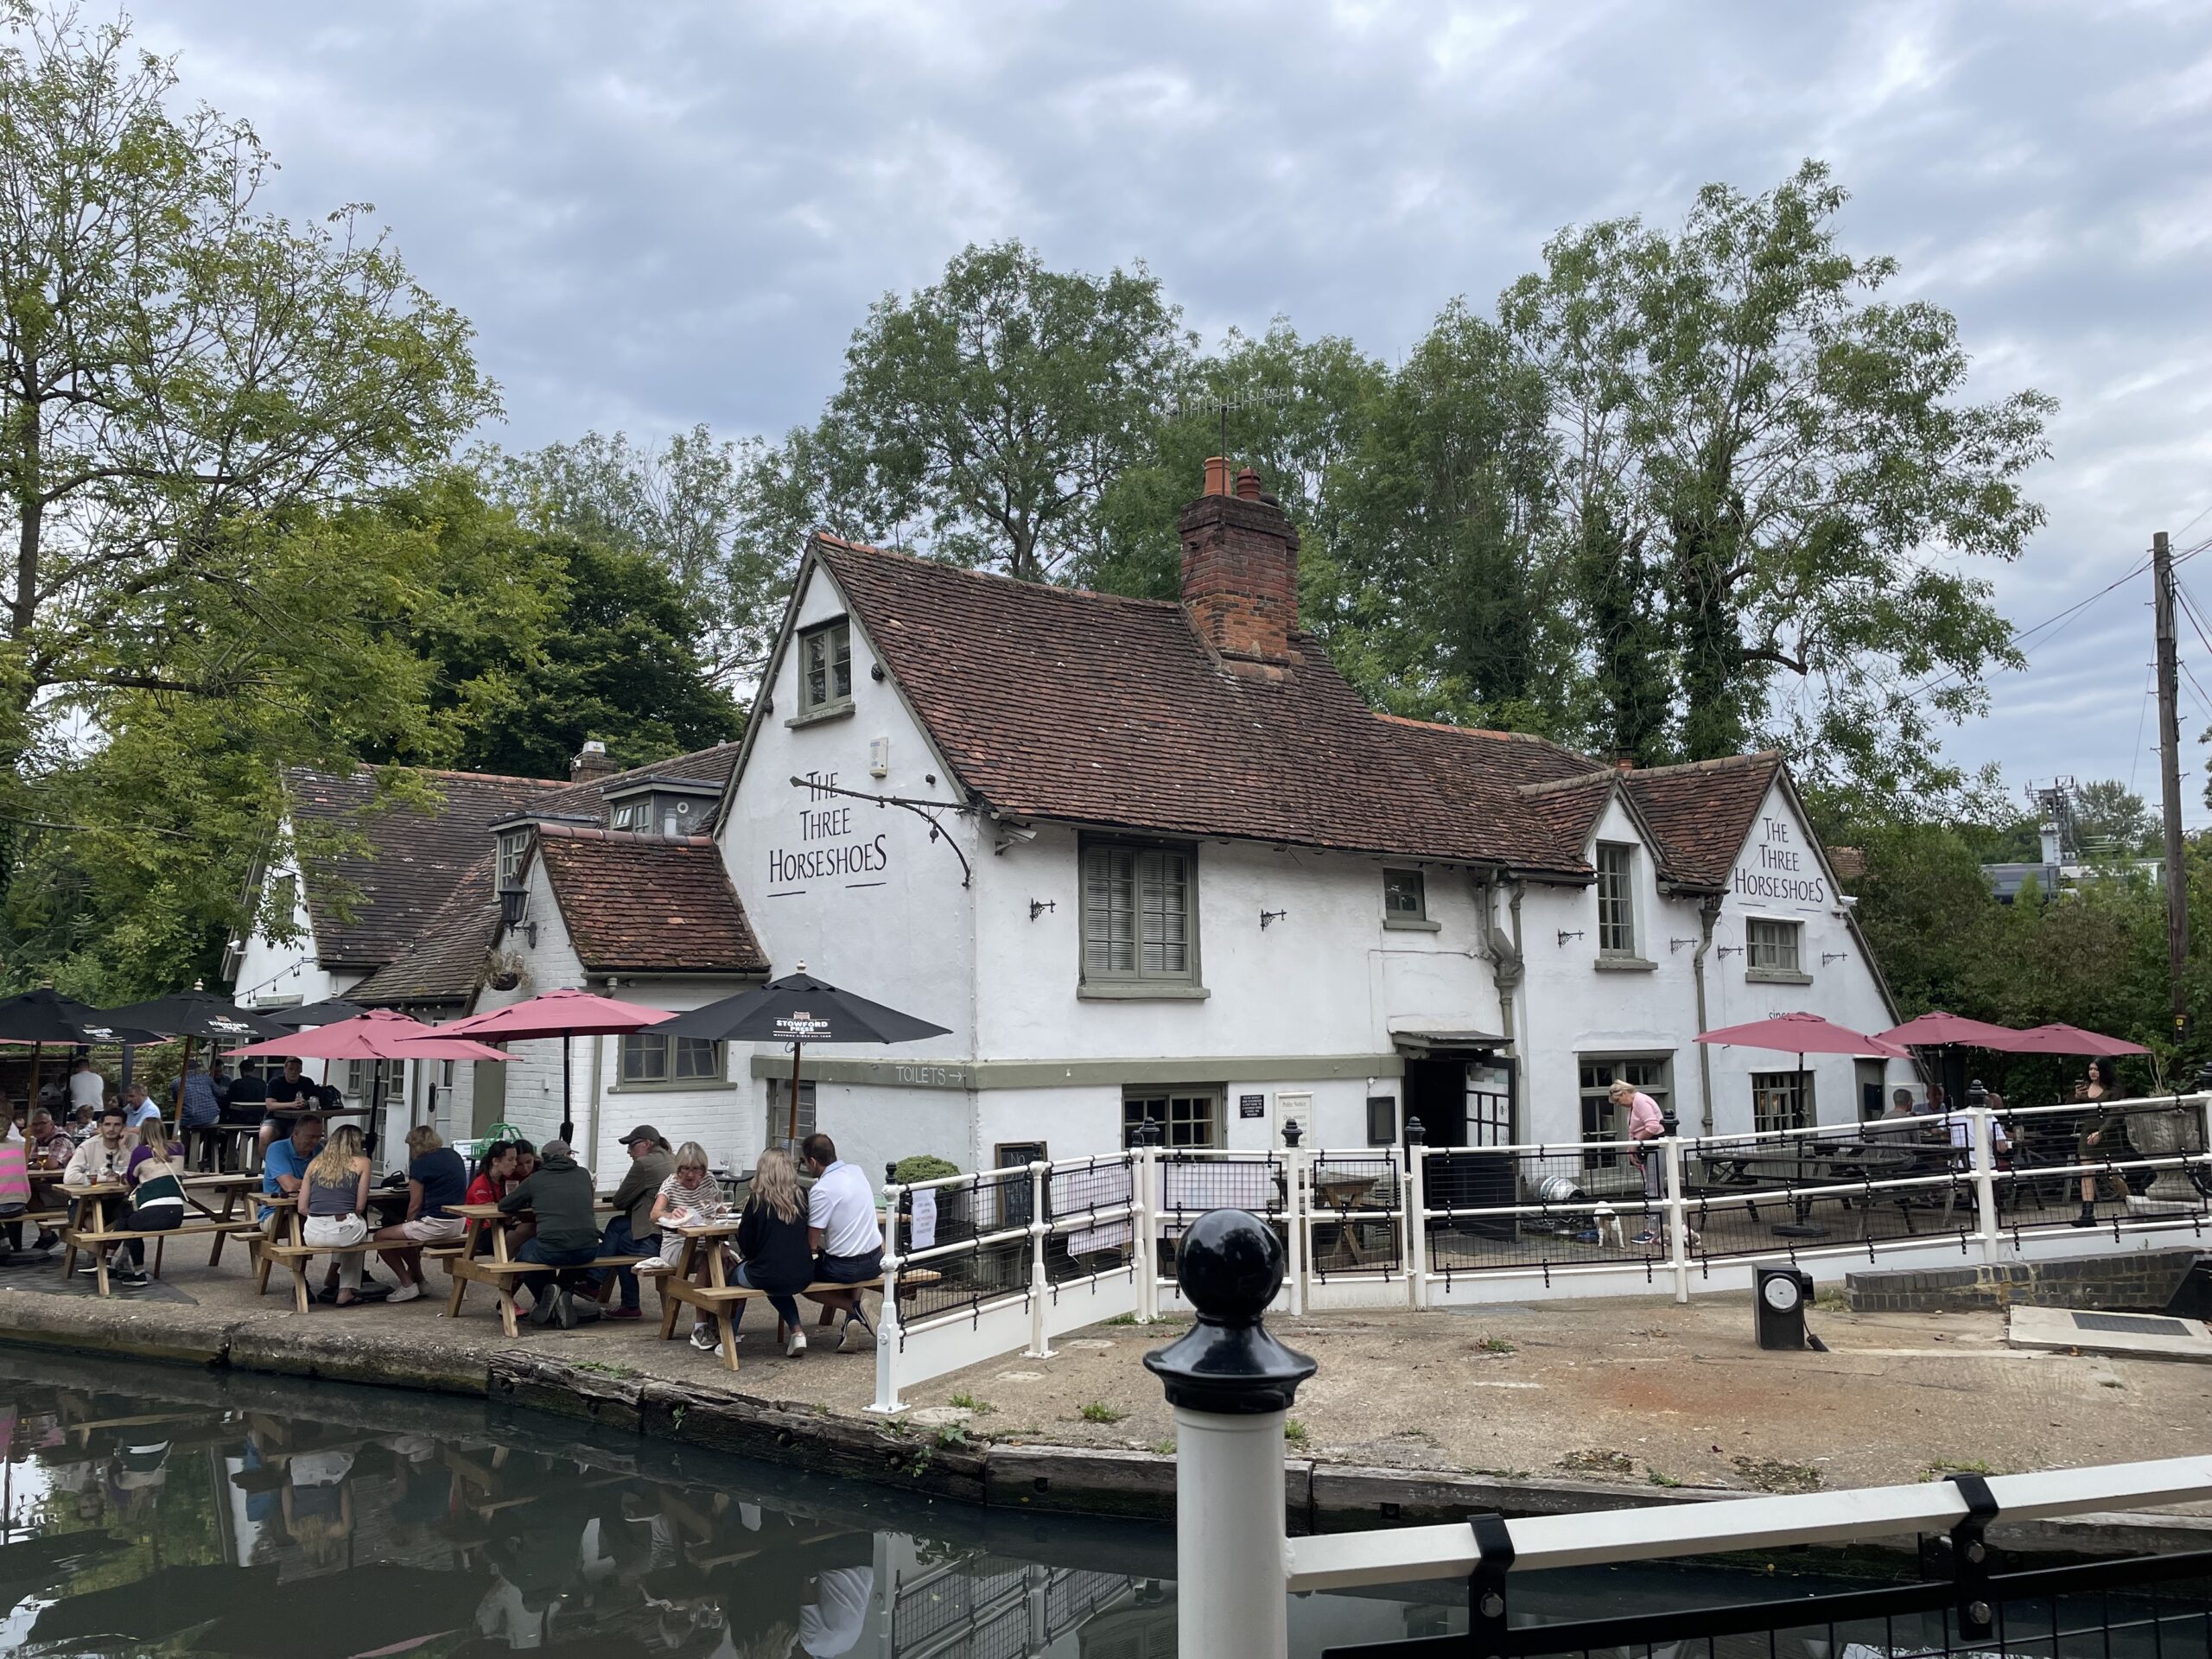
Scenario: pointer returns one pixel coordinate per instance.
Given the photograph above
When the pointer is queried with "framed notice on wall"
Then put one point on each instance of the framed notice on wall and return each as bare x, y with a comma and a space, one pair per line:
1251, 1105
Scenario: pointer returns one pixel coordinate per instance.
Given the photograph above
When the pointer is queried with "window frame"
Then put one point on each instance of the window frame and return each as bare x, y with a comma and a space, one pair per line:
1793, 1090
776, 1114
1791, 972
1190, 1097
826, 636
1136, 980
513, 858
1598, 1119
671, 1073
1623, 900
1395, 879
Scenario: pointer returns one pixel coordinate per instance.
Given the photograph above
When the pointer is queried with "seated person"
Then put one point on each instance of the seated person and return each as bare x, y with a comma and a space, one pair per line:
777, 1254
691, 1197
436, 1180
631, 1231
156, 1184
335, 1201
248, 1100
287, 1095
284, 1165
841, 1227
139, 1110
104, 1157
560, 1193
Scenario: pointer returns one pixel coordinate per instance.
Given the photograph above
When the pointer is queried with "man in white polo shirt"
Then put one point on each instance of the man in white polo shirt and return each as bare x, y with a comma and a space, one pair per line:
841, 1226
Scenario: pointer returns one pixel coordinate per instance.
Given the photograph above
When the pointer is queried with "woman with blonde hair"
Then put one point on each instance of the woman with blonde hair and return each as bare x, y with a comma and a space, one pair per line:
334, 1202
688, 1198
771, 1242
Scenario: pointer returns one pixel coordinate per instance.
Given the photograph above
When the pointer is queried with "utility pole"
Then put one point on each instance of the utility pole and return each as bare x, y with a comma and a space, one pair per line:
2162, 576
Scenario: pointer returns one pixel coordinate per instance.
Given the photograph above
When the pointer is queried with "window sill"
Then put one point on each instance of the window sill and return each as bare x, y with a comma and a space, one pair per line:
1626, 965
686, 1086
1139, 991
841, 709
1411, 925
1776, 976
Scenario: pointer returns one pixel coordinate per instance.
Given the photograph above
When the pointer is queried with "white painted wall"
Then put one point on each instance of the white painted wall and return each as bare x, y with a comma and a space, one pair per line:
273, 975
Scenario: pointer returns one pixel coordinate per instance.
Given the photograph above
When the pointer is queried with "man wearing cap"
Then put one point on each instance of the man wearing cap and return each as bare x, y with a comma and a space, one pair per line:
631, 1231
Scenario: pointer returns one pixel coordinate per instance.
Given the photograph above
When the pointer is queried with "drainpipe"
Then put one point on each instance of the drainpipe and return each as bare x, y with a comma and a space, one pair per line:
1709, 912
1507, 965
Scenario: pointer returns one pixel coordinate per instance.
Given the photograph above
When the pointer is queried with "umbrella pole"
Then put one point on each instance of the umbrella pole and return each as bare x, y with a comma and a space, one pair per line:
568, 1110
797, 1050
31, 1104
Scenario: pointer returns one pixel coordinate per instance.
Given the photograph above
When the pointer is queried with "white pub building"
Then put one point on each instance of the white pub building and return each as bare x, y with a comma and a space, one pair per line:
1150, 860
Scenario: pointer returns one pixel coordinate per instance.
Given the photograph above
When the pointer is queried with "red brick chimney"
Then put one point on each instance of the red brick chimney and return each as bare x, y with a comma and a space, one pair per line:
1240, 573
592, 761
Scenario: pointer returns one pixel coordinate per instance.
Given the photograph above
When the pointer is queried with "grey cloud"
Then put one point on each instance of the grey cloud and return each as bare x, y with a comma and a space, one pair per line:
680, 218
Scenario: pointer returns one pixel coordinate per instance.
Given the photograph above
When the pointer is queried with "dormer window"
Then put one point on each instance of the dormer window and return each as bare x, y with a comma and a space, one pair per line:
626, 817
514, 847
825, 667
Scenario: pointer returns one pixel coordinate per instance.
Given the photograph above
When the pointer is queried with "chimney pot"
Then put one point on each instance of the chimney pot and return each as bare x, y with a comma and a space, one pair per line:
1624, 763
1239, 572
1248, 486
1217, 475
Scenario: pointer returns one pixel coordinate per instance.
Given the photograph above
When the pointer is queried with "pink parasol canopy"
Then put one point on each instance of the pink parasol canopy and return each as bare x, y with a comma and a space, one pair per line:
2059, 1037
555, 1013
379, 1034
1800, 1033
1940, 1030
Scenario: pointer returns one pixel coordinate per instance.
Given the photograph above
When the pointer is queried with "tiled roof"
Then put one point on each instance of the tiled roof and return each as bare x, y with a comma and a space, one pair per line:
1571, 807
390, 895
369, 906
1477, 773
1060, 703
446, 964
1702, 812
638, 903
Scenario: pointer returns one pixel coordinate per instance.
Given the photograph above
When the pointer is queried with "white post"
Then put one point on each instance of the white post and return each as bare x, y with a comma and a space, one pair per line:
1981, 1148
1040, 1284
1146, 1223
1414, 1192
887, 1318
1298, 1220
1678, 1220
1230, 1385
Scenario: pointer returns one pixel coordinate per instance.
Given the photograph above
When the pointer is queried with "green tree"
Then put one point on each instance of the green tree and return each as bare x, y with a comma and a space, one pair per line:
993, 408
2109, 816
1750, 435
187, 382
715, 515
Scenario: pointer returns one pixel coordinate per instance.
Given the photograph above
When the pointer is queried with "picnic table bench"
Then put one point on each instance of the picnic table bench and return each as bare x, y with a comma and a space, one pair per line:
85, 1230
1821, 1163
500, 1271
719, 1299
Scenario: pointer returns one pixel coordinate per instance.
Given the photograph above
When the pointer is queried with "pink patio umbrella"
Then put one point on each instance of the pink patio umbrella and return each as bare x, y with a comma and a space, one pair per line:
1941, 1030
564, 1013
1800, 1034
379, 1034
2059, 1037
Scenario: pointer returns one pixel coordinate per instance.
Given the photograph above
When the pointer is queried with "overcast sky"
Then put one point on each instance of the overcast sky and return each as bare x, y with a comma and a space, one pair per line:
659, 215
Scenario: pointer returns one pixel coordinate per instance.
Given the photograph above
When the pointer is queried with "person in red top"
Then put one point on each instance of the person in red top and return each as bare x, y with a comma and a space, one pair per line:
493, 1172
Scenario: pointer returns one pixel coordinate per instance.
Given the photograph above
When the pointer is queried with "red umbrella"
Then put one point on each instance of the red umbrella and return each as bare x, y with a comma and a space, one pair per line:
562, 1014
1800, 1034
1940, 1030
2061, 1039
379, 1034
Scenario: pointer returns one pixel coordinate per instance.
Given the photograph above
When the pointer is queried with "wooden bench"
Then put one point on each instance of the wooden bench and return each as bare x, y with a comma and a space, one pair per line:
720, 1301
97, 1245
503, 1277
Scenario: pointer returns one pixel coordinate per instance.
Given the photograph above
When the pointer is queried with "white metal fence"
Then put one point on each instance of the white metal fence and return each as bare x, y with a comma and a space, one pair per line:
1003, 1261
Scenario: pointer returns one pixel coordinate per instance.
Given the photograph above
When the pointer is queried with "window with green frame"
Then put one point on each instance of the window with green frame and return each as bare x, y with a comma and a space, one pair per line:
649, 1059
825, 666
1140, 914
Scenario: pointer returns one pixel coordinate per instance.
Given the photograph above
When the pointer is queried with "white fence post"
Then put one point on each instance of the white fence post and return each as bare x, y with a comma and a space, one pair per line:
1230, 1385
1981, 1148
1147, 1224
1297, 1185
1678, 1221
1040, 1284
1415, 1194
887, 1318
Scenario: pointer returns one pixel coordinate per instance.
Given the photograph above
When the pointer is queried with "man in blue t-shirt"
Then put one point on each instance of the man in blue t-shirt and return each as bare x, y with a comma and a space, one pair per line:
284, 1165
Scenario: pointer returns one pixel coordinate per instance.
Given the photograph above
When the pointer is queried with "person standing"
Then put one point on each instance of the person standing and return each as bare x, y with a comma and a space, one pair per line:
198, 1109
437, 1179
559, 1192
334, 1206
630, 1232
775, 1254
2103, 1135
842, 1232
1647, 1125
87, 1088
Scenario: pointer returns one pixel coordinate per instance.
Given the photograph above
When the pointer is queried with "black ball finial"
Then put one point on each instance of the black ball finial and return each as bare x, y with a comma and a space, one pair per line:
1416, 1134
1229, 1265
1292, 1134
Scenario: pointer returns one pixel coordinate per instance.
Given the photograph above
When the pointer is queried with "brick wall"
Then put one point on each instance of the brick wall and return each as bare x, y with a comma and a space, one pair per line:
1240, 576
2139, 1279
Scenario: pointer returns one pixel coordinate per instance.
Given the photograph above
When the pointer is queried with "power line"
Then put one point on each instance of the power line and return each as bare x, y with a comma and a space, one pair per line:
2135, 759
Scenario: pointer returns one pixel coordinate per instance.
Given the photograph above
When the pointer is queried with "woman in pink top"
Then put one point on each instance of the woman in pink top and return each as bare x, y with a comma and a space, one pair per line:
1645, 1123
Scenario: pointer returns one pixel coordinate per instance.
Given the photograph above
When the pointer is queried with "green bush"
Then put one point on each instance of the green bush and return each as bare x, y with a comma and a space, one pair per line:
923, 1166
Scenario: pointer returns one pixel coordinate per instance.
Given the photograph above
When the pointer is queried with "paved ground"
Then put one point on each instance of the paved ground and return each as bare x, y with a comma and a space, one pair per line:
1642, 1390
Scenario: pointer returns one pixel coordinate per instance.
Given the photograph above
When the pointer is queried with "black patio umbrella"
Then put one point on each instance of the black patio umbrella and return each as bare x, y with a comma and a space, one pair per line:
798, 1009
46, 1016
329, 1012
196, 1014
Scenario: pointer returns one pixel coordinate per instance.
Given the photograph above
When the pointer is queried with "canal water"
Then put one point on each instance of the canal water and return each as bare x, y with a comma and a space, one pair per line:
166, 1510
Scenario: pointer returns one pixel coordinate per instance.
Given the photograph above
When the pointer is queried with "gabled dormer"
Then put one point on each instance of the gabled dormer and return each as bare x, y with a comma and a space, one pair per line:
661, 806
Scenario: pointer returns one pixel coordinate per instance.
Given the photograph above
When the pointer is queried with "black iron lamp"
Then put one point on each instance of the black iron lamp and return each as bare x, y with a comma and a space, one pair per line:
513, 901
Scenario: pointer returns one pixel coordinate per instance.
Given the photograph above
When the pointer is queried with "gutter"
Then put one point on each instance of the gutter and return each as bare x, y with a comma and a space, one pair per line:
1709, 912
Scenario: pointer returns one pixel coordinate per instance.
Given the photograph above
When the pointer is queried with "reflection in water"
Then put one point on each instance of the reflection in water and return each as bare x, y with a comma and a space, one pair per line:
196, 1514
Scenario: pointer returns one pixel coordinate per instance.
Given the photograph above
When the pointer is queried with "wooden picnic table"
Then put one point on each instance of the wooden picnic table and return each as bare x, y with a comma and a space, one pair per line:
488, 1223
85, 1232
1823, 1163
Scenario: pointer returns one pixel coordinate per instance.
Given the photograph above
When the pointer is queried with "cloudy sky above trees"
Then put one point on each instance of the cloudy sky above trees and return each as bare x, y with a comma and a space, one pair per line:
666, 214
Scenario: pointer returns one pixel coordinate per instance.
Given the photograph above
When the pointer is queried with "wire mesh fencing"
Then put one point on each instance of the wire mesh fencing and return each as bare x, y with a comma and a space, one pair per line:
1490, 1209
964, 1243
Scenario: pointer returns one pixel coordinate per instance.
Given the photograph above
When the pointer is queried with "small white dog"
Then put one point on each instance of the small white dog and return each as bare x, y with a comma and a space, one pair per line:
1609, 1227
